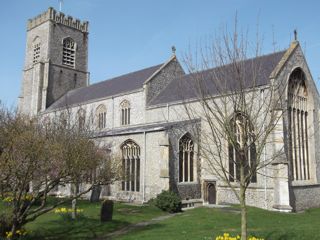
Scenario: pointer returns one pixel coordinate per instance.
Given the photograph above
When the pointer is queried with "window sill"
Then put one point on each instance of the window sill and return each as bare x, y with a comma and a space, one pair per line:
188, 183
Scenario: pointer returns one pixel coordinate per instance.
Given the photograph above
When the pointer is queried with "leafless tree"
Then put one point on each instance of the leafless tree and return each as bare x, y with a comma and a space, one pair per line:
239, 112
38, 155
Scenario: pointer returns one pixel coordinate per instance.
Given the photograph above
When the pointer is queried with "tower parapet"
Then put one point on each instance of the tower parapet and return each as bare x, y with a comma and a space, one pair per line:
58, 17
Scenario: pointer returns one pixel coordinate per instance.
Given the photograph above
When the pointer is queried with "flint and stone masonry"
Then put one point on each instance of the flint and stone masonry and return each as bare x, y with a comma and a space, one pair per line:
56, 78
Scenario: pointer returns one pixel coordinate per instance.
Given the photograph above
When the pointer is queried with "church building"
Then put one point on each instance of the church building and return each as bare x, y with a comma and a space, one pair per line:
139, 114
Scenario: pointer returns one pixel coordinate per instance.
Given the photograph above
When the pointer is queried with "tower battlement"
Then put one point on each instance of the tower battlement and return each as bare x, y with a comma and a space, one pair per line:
58, 17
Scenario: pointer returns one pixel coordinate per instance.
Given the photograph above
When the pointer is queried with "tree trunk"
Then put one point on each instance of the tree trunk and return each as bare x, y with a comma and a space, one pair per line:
243, 197
243, 213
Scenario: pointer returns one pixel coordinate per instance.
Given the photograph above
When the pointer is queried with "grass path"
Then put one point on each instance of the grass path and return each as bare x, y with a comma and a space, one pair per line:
133, 227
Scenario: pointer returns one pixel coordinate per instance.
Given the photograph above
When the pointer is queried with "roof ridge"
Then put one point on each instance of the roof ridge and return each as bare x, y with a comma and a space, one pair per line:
216, 68
126, 74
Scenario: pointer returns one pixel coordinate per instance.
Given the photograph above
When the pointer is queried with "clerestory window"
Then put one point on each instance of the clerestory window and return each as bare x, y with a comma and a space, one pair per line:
101, 114
81, 119
125, 112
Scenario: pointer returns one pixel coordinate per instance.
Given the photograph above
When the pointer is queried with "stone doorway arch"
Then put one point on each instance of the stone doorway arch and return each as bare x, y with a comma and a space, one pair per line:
210, 192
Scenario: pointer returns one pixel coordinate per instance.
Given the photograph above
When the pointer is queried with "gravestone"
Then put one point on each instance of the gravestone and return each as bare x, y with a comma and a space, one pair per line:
106, 211
95, 194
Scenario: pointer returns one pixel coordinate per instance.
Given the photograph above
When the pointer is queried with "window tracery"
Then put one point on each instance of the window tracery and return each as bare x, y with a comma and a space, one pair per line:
298, 126
125, 112
241, 148
131, 166
186, 159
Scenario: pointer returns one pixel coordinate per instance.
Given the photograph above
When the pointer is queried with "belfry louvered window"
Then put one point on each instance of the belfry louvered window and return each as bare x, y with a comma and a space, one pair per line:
130, 166
69, 52
36, 50
298, 126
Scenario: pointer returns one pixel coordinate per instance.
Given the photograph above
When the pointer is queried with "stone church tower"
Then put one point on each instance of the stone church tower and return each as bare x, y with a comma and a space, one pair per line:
56, 60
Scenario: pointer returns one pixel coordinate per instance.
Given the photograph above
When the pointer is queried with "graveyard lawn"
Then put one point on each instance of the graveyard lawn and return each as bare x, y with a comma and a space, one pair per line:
207, 223
200, 223
88, 226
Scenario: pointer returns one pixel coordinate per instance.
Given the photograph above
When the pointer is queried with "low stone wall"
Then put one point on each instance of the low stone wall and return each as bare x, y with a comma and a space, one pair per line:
254, 197
305, 197
189, 191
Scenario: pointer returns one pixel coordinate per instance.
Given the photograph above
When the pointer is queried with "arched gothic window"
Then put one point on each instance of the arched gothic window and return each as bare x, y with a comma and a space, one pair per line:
242, 149
186, 159
69, 52
36, 49
131, 166
298, 126
81, 119
125, 112
101, 114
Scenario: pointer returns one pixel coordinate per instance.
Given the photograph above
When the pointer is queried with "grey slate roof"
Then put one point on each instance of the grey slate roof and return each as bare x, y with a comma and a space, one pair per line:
154, 127
125, 83
220, 79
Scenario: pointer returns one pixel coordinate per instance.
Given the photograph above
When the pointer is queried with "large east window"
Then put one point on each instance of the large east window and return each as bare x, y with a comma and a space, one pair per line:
298, 126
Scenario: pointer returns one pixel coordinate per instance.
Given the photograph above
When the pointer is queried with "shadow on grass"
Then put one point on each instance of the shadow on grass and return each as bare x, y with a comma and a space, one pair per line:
132, 230
82, 228
286, 236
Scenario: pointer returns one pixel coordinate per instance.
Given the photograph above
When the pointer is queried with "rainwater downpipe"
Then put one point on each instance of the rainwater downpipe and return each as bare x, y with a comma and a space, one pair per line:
264, 160
144, 168
112, 112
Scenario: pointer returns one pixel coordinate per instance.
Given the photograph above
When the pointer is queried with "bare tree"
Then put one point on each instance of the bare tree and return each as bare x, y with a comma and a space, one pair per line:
239, 108
37, 156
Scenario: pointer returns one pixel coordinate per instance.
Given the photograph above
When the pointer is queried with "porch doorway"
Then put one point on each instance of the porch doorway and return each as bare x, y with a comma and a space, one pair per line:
211, 193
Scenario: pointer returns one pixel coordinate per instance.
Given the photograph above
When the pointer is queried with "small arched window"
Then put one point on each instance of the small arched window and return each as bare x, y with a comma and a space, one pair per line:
101, 114
81, 119
125, 112
131, 166
63, 121
69, 52
186, 159
242, 148
298, 126
36, 49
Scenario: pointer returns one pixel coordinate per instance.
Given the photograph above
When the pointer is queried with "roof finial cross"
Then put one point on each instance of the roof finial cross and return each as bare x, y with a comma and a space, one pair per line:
60, 5
173, 48
295, 35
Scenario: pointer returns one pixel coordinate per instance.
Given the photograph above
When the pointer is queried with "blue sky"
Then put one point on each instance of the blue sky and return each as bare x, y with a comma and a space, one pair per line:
127, 35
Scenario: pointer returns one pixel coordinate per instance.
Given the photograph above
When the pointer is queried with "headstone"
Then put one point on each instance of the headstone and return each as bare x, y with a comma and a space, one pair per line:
95, 194
106, 211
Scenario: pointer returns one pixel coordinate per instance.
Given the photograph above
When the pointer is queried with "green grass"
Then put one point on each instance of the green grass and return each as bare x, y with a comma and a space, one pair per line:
88, 226
205, 224
200, 223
